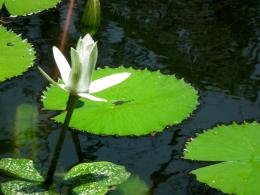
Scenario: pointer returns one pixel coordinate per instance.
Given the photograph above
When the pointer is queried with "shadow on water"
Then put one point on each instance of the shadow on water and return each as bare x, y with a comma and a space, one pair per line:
214, 45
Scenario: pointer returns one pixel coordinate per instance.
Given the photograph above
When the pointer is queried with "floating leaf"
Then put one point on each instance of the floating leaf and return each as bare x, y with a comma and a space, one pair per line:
238, 149
96, 177
23, 188
144, 103
25, 7
16, 55
22, 168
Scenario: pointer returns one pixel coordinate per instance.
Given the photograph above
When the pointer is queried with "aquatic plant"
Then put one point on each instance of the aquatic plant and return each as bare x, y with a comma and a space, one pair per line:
90, 20
31, 177
146, 103
17, 55
25, 7
237, 149
77, 79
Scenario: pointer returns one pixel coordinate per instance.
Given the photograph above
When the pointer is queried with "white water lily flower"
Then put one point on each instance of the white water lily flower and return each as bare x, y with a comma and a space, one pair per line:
77, 78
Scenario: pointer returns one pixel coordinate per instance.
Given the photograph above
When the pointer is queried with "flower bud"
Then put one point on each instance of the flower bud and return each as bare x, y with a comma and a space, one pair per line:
91, 17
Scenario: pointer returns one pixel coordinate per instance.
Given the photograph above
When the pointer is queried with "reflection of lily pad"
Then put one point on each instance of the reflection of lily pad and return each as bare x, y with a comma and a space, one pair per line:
22, 168
238, 149
145, 102
134, 185
96, 178
24, 7
23, 188
16, 55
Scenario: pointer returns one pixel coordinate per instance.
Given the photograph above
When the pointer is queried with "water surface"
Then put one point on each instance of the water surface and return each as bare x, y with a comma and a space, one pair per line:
214, 45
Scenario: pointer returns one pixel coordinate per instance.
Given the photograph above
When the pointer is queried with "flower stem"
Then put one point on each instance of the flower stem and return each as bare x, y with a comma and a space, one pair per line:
70, 107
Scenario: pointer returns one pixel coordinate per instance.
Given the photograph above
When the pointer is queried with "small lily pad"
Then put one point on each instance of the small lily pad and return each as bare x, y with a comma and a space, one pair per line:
146, 102
17, 55
237, 148
96, 177
25, 7
23, 188
21, 168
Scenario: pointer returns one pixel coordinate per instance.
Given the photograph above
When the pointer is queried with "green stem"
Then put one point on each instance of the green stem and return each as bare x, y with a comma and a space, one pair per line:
70, 107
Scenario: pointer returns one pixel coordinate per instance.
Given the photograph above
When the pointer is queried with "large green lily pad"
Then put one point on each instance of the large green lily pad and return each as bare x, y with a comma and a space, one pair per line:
25, 7
237, 147
146, 102
16, 55
96, 178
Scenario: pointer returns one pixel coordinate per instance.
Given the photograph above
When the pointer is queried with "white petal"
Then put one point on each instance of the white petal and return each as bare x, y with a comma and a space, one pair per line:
91, 97
108, 81
87, 39
62, 64
88, 63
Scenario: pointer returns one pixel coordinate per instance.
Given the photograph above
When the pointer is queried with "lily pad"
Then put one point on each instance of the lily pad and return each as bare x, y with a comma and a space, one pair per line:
23, 188
146, 102
21, 168
25, 7
96, 178
237, 148
17, 55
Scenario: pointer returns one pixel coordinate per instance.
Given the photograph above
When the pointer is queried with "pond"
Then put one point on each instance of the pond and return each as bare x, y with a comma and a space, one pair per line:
214, 45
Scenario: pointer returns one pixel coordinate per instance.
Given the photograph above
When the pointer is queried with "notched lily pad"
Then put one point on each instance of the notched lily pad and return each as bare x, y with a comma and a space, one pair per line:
16, 55
25, 7
21, 168
23, 188
237, 147
95, 178
146, 102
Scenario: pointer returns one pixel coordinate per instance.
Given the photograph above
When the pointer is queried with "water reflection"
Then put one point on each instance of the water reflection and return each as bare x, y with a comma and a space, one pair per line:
215, 45
26, 130
210, 43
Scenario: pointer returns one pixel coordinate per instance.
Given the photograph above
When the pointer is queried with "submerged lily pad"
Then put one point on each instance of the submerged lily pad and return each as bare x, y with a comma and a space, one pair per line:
23, 188
16, 55
146, 102
21, 168
96, 178
25, 7
237, 147
134, 185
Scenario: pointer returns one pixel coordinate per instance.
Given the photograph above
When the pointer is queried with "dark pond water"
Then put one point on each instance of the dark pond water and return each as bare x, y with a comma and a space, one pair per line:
214, 45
